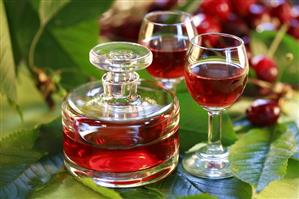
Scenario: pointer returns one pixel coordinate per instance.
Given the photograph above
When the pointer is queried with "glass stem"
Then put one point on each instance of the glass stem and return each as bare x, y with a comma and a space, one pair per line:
214, 133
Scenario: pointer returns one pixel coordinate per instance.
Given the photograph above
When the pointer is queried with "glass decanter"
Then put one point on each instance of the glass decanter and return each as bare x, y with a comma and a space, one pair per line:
121, 131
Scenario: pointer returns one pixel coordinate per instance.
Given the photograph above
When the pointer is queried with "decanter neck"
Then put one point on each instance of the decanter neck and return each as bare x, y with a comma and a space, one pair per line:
120, 88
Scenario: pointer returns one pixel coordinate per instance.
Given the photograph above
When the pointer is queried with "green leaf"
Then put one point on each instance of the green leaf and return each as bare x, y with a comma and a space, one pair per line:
18, 170
142, 192
180, 183
65, 52
35, 111
27, 179
48, 9
18, 148
24, 22
71, 36
290, 107
73, 40
7, 65
287, 187
50, 137
198, 196
194, 124
293, 128
78, 11
189, 6
21, 169
261, 155
257, 46
288, 68
65, 186
106, 192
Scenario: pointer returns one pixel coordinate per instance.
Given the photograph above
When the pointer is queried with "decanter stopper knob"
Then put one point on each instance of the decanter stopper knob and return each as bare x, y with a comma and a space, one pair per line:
120, 56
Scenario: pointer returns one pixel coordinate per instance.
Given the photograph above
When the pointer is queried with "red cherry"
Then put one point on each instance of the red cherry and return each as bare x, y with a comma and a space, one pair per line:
281, 9
241, 7
258, 14
265, 68
236, 26
295, 12
263, 112
218, 8
162, 5
205, 24
294, 28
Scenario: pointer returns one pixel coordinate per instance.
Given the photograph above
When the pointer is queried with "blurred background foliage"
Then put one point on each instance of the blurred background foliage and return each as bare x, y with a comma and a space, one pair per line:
44, 54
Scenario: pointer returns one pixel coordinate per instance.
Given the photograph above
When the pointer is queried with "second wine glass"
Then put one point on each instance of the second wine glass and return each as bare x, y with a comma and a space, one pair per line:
167, 35
215, 76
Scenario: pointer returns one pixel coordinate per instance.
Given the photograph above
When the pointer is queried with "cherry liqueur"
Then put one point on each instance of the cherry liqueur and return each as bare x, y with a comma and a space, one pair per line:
121, 131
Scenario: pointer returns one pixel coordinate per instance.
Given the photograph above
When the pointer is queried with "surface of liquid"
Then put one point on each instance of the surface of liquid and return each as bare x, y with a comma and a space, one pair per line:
215, 84
169, 56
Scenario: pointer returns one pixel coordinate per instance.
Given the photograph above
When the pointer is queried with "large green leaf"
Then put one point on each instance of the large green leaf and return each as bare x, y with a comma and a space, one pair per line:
76, 41
105, 192
7, 65
261, 155
198, 196
180, 183
21, 169
142, 192
28, 178
78, 11
35, 110
71, 31
19, 172
17, 150
290, 107
293, 127
24, 23
48, 9
286, 188
288, 69
65, 186
71, 36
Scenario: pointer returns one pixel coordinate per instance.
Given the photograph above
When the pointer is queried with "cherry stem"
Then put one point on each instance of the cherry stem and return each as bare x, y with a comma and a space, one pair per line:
260, 83
278, 90
277, 40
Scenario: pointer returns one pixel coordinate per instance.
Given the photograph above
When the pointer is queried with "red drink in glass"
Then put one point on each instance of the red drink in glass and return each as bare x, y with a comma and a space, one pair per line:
215, 84
169, 56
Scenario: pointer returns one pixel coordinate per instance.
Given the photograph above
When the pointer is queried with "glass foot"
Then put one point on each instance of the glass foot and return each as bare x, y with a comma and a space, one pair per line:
212, 166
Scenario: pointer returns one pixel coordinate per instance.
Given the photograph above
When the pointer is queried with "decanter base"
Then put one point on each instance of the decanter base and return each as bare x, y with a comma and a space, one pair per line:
122, 180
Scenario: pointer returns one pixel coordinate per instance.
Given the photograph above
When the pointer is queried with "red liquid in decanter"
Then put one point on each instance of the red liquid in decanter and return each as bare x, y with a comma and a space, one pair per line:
119, 147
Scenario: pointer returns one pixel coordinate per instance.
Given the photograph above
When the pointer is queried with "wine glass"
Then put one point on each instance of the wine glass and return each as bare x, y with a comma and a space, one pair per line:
167, 35
215, 76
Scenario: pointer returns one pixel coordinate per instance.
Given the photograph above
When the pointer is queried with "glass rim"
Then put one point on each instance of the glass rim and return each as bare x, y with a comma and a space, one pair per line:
156, 13
230, 47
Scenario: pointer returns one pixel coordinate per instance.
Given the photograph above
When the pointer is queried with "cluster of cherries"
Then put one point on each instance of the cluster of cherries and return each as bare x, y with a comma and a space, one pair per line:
238, 17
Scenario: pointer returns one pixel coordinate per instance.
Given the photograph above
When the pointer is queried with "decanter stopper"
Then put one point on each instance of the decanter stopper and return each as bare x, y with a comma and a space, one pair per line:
120, 57
121, 60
